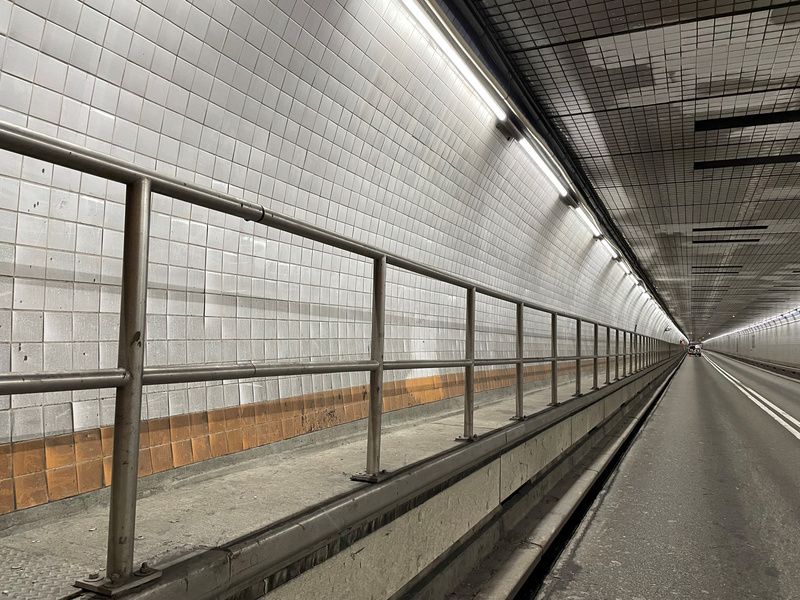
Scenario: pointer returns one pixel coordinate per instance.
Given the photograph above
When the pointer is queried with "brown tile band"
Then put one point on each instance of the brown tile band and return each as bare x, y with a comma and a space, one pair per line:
36, 471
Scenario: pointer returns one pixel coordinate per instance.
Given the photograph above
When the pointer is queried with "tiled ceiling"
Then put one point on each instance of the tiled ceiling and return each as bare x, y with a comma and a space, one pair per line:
641, 92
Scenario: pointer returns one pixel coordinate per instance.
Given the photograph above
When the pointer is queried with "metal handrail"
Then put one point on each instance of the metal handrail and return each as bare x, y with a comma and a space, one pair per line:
43, 147
638, 351
55, 381
59, 381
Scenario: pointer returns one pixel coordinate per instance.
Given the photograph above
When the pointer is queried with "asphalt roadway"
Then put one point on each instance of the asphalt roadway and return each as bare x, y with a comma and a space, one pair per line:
705, 504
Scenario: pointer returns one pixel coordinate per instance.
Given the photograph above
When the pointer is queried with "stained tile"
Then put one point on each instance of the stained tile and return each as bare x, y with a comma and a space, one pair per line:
88, 446
6, 462
62, 482
219, 444
161, 457
180, 428
201, 448
29, 457
30, 490
182, 453
6, 496
59, 451
90, 475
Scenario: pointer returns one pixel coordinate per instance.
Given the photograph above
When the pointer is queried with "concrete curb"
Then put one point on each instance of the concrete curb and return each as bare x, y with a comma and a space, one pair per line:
507, 582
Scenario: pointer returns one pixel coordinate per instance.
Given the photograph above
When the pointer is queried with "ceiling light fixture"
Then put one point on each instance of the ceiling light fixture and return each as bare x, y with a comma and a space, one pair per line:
543, 166
588, 221
466, 72
626, 267
760, 324
609, 248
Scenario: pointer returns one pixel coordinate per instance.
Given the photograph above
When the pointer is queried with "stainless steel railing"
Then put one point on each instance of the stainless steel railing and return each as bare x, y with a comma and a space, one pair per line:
131, 375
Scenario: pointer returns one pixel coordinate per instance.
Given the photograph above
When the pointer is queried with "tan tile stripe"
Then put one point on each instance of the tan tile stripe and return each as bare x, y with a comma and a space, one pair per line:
42, 470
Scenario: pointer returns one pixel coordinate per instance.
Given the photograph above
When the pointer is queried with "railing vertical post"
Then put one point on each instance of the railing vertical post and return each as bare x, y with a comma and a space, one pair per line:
629, 365
608, 355
595, 383
624, 353
616, 355
554, 363
128, 406
373, 472
578, 344
631, 353
469, 370
639, 354
626, 349
641, 350
520, 408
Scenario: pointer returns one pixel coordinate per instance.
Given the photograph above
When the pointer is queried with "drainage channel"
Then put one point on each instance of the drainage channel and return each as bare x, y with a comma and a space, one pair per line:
550, 556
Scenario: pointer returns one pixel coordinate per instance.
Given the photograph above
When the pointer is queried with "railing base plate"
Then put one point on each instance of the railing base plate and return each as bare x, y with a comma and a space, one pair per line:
105, 587
370, 477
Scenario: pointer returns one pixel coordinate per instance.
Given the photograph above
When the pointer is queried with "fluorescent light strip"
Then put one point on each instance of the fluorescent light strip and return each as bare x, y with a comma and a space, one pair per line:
754, 326
466, 72
543, 166
605, 243
588, 221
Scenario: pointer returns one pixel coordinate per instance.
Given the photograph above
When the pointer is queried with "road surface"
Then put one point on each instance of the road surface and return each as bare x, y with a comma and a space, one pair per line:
706, 504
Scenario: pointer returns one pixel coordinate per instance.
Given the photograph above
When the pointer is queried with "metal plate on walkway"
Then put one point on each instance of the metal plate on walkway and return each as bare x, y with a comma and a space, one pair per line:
28, 576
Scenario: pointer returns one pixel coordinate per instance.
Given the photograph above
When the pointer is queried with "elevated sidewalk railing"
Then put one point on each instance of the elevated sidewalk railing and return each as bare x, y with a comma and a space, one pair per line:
631, 351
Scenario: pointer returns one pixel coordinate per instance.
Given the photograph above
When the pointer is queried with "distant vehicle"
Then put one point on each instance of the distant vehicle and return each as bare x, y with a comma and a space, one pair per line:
695, 349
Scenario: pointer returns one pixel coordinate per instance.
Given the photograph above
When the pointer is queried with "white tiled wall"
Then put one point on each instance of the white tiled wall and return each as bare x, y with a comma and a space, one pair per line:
340, 113
777, 342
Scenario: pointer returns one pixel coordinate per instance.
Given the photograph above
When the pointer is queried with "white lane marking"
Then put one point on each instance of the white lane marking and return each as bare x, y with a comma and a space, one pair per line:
775, 408
768, 407
767, 371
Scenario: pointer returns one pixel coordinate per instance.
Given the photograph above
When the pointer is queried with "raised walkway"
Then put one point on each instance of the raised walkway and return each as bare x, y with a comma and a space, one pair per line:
186, 511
